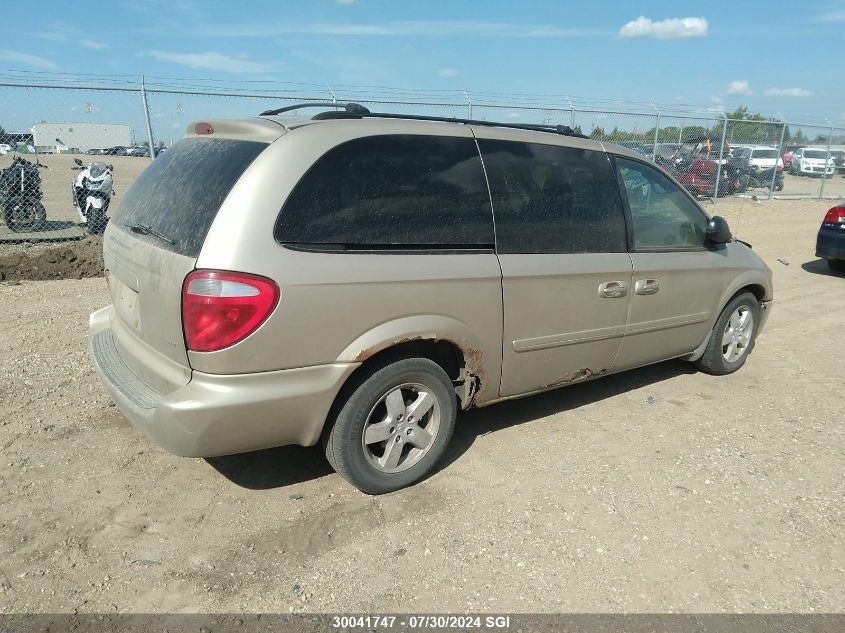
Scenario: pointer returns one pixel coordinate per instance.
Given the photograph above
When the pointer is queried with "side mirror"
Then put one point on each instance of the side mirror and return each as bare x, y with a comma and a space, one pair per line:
77, 161
718, 231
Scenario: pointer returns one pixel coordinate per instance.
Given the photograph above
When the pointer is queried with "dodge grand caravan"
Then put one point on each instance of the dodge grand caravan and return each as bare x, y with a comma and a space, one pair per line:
356, 279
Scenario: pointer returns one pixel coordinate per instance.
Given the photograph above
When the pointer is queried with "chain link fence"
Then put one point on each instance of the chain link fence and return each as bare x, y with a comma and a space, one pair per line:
68, 152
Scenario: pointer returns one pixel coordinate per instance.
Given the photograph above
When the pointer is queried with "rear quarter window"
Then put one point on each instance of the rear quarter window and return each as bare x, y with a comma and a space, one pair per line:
391, 192
180, 193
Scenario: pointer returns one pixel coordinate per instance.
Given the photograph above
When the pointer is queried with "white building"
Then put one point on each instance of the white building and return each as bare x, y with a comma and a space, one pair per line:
63, 137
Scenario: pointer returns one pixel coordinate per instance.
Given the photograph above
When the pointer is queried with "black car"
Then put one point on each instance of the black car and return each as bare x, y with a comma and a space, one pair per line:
830, 243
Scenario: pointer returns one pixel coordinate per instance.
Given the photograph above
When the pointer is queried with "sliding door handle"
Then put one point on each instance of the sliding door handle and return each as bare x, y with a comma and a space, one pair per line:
613, 289
646, 286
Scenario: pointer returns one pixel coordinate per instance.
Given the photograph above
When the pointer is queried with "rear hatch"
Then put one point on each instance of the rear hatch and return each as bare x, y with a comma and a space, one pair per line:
152, 242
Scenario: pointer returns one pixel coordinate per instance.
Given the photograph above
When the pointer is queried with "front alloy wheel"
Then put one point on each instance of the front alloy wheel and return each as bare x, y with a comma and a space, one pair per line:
737, 334
732, 337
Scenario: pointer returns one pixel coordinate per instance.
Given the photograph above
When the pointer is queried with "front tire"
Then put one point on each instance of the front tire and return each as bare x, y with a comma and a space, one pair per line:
96, 222
393, 427
27, 216
733, 336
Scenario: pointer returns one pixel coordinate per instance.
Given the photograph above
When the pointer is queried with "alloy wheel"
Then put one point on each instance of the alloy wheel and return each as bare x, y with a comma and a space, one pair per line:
401, 428
737, 335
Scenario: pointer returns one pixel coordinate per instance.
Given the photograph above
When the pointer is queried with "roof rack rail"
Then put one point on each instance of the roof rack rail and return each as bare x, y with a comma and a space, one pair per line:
357, 111
564, 130
349, 108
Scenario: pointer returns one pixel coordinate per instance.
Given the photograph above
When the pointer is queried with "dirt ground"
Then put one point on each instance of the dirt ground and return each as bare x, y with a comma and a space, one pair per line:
66, 260
661, 489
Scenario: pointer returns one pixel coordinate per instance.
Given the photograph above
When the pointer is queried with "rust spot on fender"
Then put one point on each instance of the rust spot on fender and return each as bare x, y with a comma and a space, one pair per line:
472, 377
366, 353
575, 376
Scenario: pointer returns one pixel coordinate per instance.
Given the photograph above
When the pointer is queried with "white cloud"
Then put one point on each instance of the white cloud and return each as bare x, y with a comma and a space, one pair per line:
93, 45
33, 61
448, 72
664, 29
212, 61
787, 92
715, 98
464, 28
739, 87
68, 34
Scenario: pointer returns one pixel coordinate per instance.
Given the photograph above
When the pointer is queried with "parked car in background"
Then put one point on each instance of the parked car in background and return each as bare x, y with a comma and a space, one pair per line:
788, 151
830, 241
230, 254
118, 150
807, 161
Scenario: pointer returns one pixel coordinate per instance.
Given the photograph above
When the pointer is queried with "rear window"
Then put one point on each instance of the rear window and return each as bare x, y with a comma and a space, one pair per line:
391, 191
179, 194
765, 153
550, 199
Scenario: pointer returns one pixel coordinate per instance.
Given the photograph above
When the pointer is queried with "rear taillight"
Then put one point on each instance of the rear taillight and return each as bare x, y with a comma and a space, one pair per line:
221, 308
779, 169
836, 215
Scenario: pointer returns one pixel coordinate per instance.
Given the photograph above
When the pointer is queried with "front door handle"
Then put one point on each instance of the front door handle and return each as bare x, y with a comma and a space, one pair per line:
613, 289
646, 286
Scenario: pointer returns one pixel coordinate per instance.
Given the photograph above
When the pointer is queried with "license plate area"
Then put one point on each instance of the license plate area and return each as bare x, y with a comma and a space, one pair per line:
126, 303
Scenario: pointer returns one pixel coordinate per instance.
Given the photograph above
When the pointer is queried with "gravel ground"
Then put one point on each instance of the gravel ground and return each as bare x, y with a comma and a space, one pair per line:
658, 490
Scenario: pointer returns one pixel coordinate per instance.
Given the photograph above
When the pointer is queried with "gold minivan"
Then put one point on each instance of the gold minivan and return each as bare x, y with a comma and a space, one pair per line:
357, 278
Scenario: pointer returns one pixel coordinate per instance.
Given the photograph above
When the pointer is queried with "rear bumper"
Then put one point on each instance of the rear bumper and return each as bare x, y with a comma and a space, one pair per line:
220, 414
830, 242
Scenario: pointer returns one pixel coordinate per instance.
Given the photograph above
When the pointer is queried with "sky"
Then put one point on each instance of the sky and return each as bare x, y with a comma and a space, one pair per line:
779, 59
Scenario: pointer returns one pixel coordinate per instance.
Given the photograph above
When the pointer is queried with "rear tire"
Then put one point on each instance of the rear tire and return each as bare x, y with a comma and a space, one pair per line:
376, 419
733, 337
837, 265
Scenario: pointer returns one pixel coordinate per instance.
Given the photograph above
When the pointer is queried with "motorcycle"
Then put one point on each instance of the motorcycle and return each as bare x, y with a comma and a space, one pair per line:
751, 176
20, 189
92, 192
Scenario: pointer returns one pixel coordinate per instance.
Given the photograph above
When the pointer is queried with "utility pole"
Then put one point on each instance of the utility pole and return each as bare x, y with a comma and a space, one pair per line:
147, 119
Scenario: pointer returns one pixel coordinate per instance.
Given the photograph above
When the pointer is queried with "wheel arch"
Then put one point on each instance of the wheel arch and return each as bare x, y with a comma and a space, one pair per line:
444, 340
748, 282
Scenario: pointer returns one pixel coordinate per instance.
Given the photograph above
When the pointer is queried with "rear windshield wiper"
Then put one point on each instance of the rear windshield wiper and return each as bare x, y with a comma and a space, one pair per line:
148, 230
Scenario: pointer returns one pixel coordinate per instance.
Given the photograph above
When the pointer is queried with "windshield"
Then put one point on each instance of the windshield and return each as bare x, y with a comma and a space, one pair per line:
765, 153
815, 153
